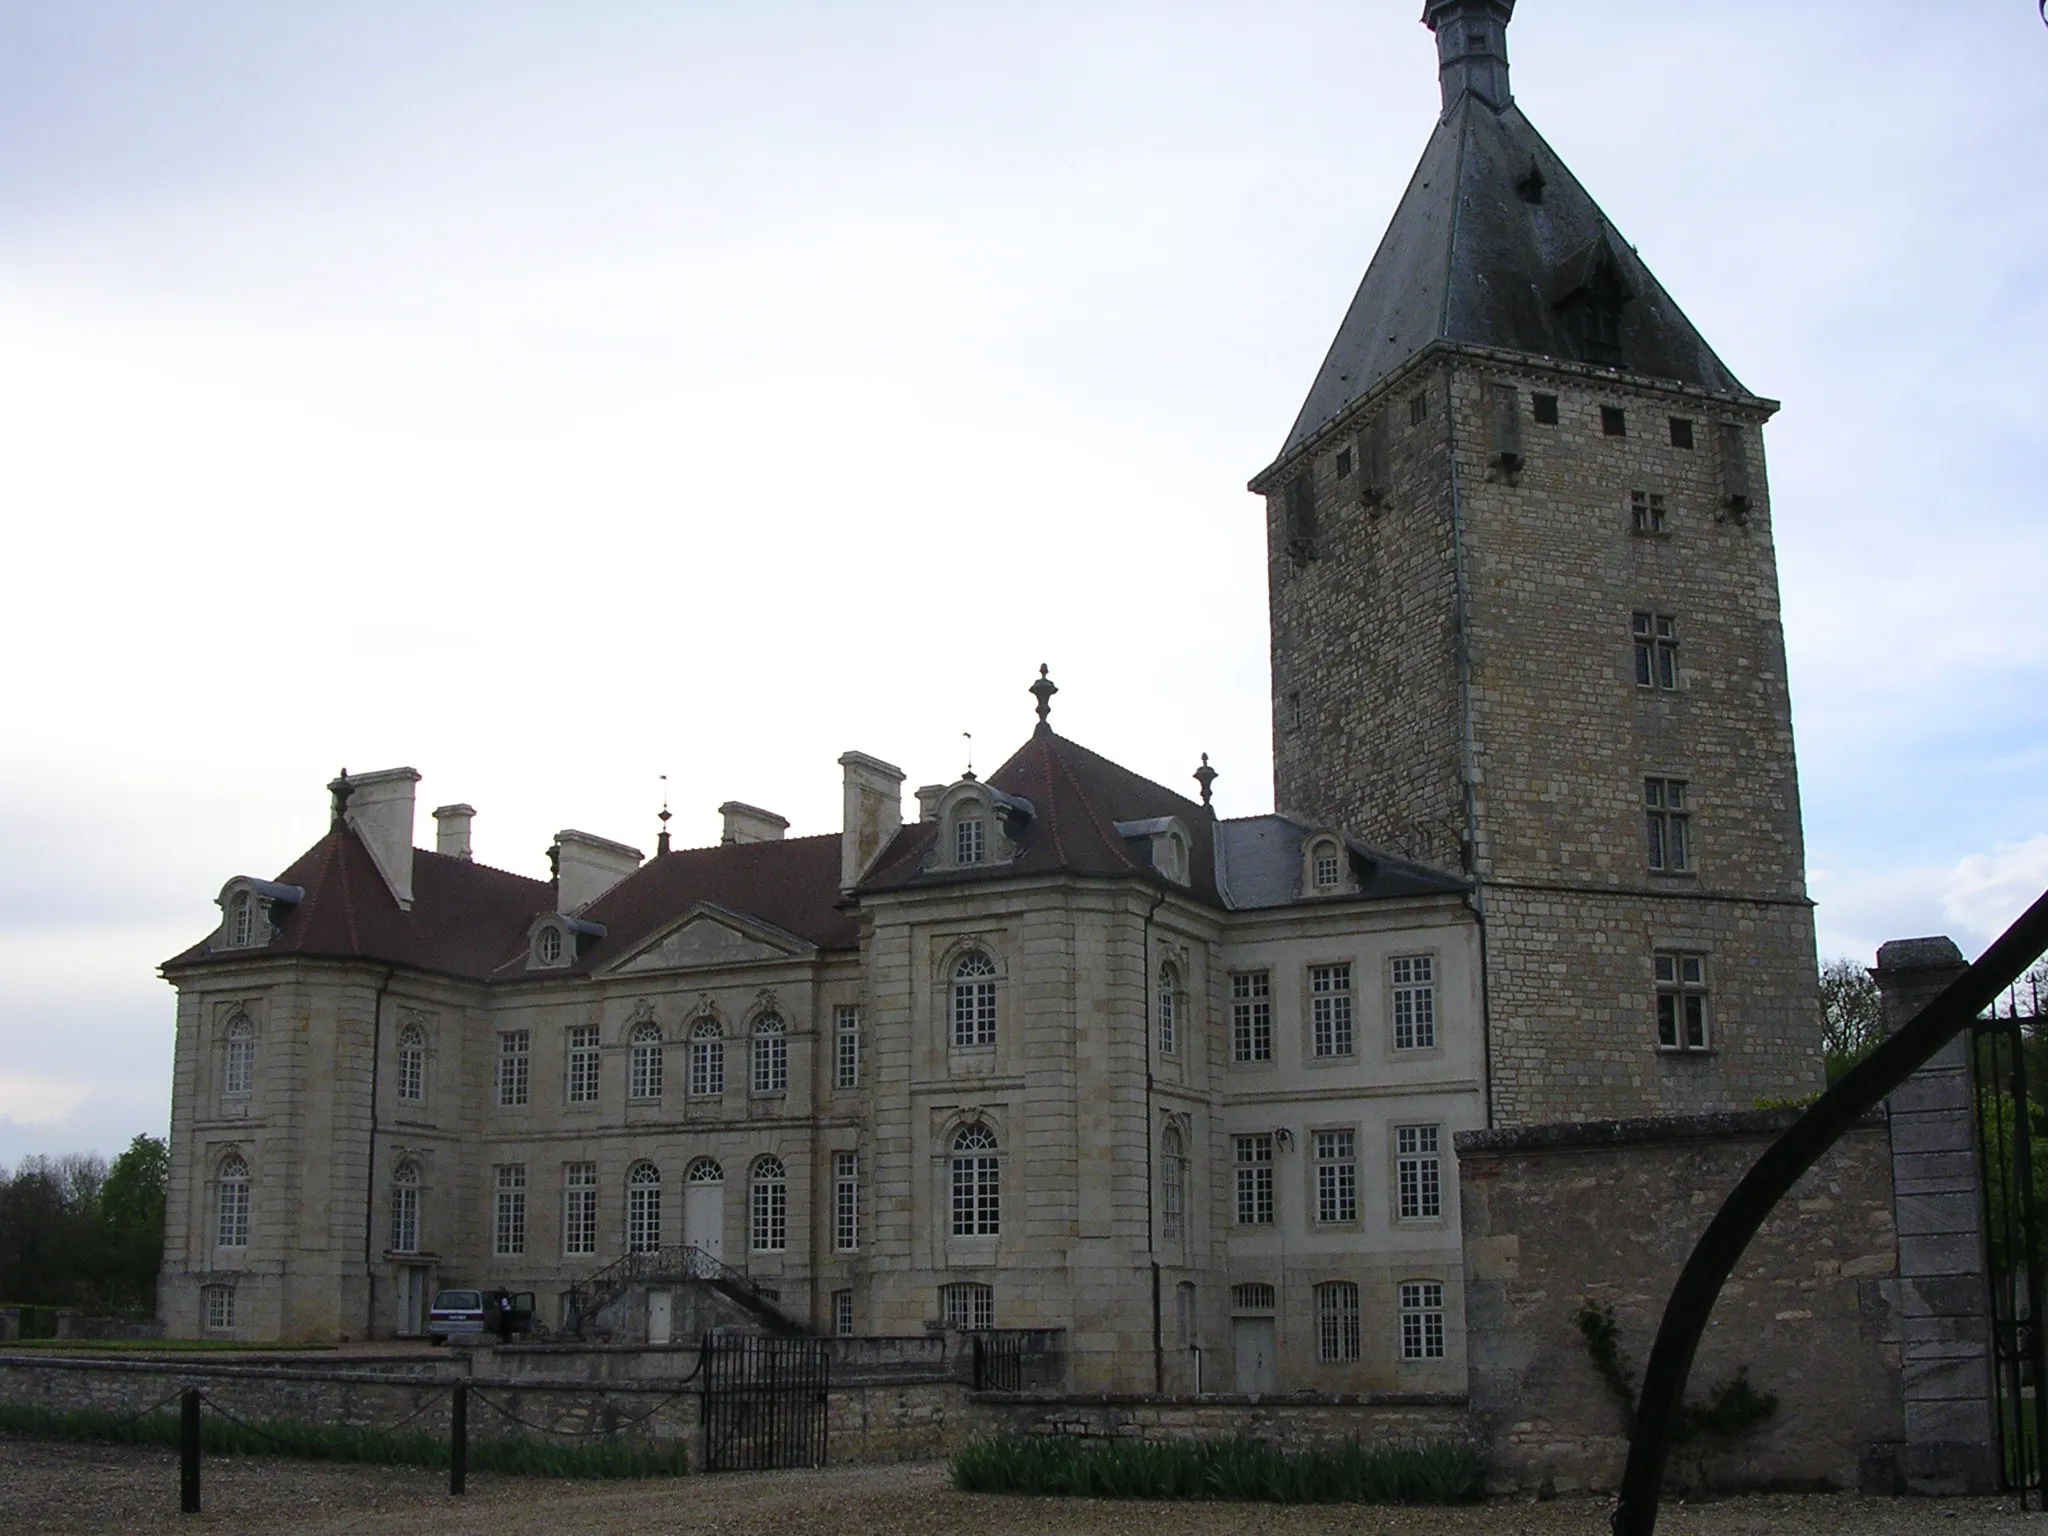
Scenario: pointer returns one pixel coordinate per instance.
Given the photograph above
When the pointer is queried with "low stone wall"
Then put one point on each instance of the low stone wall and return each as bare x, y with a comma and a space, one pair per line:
1293, 1424
1559, 1216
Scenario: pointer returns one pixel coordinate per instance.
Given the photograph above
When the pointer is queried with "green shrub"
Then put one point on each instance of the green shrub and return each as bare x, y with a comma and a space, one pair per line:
1433, 1472
593, 1457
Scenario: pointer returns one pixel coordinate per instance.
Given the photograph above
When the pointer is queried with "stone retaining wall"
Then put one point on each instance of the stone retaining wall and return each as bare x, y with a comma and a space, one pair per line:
1291, 1424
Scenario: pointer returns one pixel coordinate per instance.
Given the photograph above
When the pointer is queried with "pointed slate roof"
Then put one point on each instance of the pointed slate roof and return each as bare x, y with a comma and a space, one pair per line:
1470, 260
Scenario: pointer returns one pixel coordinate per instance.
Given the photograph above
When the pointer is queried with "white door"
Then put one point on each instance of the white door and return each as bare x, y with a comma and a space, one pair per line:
412, 1300
1251, 1340
704, 1216
660, 1316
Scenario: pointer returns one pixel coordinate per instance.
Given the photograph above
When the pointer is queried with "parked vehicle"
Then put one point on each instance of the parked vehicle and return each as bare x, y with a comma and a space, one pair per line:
501, 1313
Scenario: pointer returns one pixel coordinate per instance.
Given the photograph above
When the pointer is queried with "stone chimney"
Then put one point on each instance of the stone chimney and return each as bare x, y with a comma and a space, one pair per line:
586, 866
873, 813
379, 807
928, 797
750, 824
1471, 48
451, 830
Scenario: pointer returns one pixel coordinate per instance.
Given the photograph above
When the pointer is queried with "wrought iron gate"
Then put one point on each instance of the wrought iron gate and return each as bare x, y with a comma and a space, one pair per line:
764, 1403
2005, 1115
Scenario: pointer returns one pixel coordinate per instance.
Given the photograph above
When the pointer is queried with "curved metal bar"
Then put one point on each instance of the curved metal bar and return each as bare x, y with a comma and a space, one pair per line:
1721, 1246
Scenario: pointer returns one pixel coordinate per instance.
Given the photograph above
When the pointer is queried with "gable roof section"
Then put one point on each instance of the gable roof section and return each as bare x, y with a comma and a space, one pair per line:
1468, 261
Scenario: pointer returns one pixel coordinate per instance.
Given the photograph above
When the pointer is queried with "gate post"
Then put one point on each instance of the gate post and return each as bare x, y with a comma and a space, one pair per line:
188, 1452
1944, 1298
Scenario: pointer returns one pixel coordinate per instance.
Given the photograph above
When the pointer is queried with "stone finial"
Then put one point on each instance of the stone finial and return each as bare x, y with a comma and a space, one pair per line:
1043, 690
340, 789
1471, 48
1206, 777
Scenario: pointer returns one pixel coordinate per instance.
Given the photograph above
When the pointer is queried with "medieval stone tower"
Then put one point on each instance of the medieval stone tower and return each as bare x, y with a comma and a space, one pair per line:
1525, 624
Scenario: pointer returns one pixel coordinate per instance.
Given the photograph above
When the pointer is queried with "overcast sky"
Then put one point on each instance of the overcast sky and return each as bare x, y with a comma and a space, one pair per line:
552, 397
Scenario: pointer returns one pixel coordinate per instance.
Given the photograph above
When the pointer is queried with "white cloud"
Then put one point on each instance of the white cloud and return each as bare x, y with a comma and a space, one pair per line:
39, 1101
1986, 891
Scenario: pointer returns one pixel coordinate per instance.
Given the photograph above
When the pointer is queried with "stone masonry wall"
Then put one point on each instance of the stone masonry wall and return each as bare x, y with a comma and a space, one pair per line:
1560, 1216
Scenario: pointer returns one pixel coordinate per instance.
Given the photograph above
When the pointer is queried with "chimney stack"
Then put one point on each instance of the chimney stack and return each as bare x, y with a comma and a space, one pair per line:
928, 797
379, 806
873, 814
586, 866
750, 824
451, 830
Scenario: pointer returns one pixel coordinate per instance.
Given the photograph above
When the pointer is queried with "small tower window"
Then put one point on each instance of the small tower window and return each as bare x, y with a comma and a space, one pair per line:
1613, 421
1544, 408
1418, 408
1681, 432
1344, 464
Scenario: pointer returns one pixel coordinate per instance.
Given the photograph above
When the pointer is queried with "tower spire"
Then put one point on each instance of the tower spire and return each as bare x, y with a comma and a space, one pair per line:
1471, 48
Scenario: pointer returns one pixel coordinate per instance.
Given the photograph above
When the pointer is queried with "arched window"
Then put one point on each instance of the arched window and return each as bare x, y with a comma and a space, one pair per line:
768, 1207
1326, 867
771, 1055
238, 1073
645, 1074
405, 1209
234, 1202
643, 1208
1169, 1005
707, 1058
242, 928
1173, 1176
974, 1000
977, 1184
705, 1170
412, 1064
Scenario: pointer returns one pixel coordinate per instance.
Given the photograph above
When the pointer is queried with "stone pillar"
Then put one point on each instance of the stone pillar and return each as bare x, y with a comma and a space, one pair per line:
1944, 1298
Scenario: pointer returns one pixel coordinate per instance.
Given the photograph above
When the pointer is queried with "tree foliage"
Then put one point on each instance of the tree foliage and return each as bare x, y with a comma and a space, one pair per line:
1852, 1019
75, 1232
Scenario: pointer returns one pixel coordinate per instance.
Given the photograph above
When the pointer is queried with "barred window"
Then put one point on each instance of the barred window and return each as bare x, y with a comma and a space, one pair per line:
1681, 1001
1414, 989
1656, 645
771, 1055
1169, 1001
1254, 1158
238, 1075
1418, 1172
768, 1206
1422, 1320
1668, 824
1329, 988
1337, 1321
220, 1308
579, 1208
1336, 1176
1253, 1296
707, 1058
1251, 1016
233, 1231
977, 1183
412, 1064
405, 1209
846, 1052
643, 1075
508, 1212
842, 1314
515, 1047
643, 1208
967, 1306
974, 1000
1173, 1175
583, 1064
846, 1201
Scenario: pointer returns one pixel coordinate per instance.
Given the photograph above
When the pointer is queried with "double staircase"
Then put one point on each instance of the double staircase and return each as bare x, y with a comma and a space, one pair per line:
678, 1264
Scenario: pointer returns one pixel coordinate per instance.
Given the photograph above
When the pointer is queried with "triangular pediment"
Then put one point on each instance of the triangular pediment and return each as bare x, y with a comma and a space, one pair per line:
709, 935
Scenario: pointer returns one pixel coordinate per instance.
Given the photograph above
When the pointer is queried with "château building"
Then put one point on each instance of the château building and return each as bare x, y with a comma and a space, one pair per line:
1066, 1050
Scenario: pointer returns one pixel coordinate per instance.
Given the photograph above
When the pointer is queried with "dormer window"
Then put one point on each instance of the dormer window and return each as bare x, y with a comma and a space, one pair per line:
1163, 841
547, 946
970, 840
251, 910
242, 921
1326, 868
557, 939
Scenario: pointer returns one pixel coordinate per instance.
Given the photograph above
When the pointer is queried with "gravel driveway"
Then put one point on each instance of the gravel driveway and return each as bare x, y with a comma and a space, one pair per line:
47, 1486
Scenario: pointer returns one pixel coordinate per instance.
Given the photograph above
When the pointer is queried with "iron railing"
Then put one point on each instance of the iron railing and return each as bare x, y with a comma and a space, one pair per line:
677, 1262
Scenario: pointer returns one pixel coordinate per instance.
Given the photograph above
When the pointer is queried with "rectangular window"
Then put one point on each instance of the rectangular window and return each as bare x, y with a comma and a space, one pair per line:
1681, 1001
583, 1064
515, 1048
1328, 869
1329, 999
842, 1314
1414, 989
1184, 1315
846, 1046
234, 1212
1251, 1016
405, 1215
768, 1212
1655, 636
1336, 1176
508, 1212
1290, 713
1336, 1321
1418, 409
1344, 464
1422, 1320
971, 1308
1418, 1172
1681, 432
1613, 421
846, 1201
968, 840
579, 1208
1545, 409
1646, 512
1252, 1296
1254, 1179
1667, 819
220, 1308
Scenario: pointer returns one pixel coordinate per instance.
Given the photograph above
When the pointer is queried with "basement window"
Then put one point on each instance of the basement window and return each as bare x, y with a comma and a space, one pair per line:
1545, 407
